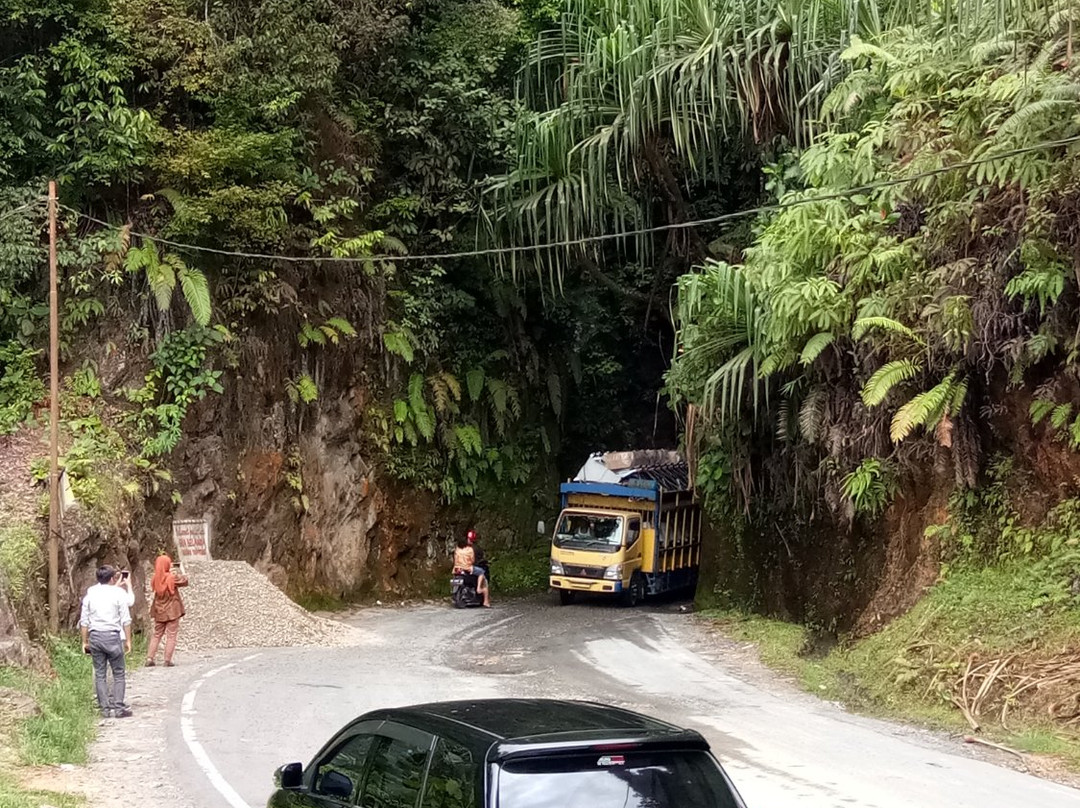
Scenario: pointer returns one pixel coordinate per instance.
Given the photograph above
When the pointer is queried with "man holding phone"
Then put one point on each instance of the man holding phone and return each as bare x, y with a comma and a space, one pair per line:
124, 582
105, 625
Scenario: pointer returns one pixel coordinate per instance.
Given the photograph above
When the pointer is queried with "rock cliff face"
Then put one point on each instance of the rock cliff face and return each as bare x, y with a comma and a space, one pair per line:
295, 489
291, 488
305, 507
856, 578
291, 493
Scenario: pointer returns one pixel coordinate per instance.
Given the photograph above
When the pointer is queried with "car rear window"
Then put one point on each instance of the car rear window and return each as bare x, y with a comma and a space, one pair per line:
616, 780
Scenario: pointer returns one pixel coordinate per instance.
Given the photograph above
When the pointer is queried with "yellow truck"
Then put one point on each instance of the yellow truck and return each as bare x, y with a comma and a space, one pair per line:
630, 527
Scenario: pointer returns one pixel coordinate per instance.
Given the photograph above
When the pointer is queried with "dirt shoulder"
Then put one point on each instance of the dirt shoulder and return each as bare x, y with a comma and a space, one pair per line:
774, 654
129, 763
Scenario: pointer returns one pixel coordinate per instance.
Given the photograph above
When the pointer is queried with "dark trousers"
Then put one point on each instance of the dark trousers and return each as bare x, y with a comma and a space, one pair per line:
107, 651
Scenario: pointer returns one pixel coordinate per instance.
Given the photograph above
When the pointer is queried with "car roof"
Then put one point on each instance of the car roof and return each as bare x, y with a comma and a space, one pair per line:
512, 727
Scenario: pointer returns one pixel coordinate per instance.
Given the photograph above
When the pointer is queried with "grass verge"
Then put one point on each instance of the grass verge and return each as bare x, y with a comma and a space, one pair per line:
987, 613
63, 730
14, 796
65, 727
521, 571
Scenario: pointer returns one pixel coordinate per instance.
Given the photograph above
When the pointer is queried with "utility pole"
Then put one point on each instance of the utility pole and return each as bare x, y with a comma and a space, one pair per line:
54, 421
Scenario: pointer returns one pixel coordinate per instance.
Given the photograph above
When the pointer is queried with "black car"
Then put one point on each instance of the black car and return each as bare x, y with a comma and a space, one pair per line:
508, 753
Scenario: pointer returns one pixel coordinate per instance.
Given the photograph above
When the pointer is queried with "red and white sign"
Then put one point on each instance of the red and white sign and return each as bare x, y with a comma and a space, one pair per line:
192, 539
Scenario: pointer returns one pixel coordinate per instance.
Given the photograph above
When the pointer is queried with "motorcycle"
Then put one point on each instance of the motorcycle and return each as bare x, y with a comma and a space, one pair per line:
463, 588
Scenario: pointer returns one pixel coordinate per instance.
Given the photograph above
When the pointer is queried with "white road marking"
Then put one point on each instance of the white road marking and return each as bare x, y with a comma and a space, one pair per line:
187, 728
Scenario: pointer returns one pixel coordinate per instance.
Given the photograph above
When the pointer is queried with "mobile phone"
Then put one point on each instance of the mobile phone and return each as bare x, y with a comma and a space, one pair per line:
124, 573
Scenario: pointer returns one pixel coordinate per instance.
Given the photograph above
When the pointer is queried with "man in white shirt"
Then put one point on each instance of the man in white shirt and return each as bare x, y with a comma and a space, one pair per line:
106, 635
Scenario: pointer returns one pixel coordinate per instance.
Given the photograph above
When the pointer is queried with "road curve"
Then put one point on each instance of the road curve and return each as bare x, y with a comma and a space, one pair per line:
782, 747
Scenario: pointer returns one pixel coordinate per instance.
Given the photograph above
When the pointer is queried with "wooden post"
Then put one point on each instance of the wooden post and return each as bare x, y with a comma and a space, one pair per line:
54, 421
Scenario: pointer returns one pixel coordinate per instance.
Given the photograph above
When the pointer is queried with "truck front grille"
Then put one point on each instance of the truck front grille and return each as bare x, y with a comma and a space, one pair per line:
576, 571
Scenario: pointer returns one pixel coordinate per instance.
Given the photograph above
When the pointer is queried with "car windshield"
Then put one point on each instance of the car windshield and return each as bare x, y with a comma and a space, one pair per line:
584, 532
630, 780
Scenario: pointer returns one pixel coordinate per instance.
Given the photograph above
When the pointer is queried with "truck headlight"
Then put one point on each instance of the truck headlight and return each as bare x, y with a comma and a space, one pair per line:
556, 568
613, 573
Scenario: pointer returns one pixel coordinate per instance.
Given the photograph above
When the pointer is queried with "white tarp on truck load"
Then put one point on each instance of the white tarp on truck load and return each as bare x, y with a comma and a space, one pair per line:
614, 467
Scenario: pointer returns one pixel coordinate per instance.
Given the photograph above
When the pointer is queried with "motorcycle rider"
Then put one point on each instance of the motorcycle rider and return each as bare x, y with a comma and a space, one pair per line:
465, 562
481, 560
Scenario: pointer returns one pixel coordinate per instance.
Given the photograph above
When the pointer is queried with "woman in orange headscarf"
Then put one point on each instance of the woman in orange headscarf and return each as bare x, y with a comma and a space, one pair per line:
166, 610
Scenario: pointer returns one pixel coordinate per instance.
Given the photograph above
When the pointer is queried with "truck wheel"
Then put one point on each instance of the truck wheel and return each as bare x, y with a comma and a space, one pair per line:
636, 593
565, 598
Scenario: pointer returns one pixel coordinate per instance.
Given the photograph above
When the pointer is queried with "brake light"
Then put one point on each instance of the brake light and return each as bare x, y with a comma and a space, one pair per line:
614, 747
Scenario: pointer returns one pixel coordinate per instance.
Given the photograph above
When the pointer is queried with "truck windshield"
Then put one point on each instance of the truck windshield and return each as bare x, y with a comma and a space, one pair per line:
634, 780
584, 532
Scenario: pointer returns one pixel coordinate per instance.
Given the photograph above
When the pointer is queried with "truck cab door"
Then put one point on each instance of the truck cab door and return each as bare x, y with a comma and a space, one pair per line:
633, 542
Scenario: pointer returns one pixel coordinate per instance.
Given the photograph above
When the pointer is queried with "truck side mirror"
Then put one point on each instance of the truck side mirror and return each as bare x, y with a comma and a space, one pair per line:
541, 528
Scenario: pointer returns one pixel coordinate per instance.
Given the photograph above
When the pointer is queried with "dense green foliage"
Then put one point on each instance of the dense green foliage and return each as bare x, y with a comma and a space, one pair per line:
921, 270
915, 269
332, 130
921, 276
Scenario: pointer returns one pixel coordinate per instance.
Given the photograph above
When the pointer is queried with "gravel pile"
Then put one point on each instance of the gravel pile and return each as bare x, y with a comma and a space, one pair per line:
230, 604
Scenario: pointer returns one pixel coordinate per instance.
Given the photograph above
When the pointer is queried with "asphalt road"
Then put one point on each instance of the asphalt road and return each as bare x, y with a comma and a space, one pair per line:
253, 711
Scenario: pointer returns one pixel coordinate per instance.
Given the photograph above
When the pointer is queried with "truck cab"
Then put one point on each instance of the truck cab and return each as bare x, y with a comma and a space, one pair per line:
629, 528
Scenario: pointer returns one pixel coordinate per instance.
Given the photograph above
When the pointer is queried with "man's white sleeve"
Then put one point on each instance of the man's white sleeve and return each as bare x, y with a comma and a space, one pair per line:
125, 613
84, 616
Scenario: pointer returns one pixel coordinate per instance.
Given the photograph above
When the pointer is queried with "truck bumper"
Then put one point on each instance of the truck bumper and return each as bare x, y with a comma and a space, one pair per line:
585, 584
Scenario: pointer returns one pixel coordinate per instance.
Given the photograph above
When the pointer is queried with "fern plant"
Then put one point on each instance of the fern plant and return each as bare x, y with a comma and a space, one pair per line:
1043, 278
450, 436
302, 389
400, 341
886, 377
928, 408
870, 487
329, 332
163, 272
1059, 419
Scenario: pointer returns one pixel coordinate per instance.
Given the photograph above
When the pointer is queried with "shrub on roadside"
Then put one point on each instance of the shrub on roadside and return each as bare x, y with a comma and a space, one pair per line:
20, 556
520, 571
63, 731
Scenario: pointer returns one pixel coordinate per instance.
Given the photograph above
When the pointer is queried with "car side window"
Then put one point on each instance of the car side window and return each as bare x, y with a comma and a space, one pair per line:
340, 775
633, 530
453, 779
396, 774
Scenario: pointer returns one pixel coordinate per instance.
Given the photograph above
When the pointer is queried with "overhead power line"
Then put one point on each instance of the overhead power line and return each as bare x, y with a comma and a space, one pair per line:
599, 237
11, 214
